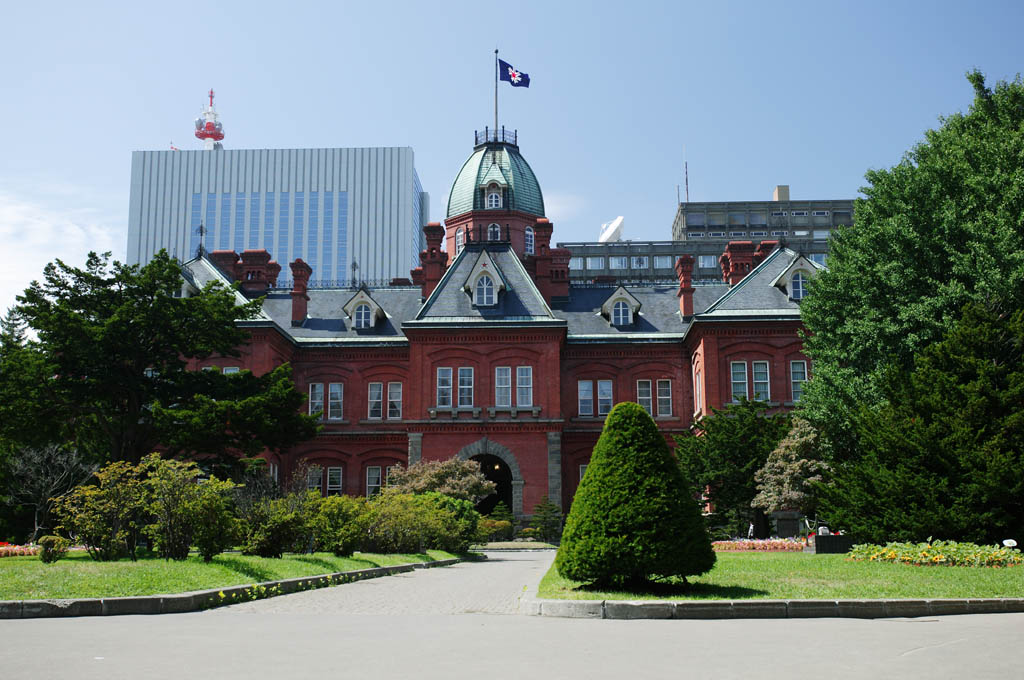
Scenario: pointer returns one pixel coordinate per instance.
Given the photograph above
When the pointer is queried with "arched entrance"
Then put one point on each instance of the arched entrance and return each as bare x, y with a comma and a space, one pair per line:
497, 471
505, 460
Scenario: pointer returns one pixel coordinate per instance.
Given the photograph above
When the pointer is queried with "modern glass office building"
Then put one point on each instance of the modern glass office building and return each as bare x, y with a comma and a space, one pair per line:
330, 207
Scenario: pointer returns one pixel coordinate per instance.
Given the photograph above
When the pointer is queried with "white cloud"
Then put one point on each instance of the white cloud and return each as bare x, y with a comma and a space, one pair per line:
33, 233
561, 207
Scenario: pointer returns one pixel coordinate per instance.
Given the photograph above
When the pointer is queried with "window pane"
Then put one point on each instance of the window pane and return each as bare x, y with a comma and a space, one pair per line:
503, 386
604, 397
595, 263
739, 380
373, 480
707, 261
334, 481
585, 394
583, 471
798, 375
664, 397
376, 395
662, 261
620, 313
316, 398
314, 477
444, 387
465, 387
618, 262
639, 262
643, 395
394, 400
761, 390
524, 386
575, 263
334, 408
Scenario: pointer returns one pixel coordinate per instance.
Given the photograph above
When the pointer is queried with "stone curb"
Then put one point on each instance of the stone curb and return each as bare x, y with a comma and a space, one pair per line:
765, 609
198, 600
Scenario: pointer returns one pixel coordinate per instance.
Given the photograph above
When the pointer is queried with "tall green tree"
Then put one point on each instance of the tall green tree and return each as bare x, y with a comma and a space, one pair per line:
787, 480
721, 455
107, 364
943, 227
944, 455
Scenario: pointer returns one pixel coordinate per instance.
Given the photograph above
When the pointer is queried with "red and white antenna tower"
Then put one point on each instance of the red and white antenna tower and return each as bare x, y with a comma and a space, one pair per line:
208, 127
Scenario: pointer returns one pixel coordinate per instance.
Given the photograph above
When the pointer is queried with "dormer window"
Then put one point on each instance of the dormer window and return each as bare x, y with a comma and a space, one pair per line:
493, 232
493, 197
363, 316
799, 286
459, 236
484, 296
529, 240
620, 313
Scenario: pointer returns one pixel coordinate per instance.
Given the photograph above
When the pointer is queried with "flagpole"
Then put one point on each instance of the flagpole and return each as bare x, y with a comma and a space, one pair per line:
495, 93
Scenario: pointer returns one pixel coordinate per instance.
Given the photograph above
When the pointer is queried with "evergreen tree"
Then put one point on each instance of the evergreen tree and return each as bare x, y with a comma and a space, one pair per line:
723, 453
634, 517
786, 482
547, 520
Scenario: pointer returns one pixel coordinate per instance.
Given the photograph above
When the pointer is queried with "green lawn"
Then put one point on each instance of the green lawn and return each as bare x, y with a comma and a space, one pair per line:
77, 575
781, 576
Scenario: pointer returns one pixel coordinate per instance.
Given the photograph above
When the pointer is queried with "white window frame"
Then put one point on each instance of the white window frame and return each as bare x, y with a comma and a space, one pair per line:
335, 406
762, 388
737, 234
716, 234
695, 234
621, 313
229, 370
645, 400
583, 470
493, 231
605, 404
493, 198
394, 401
444, 391
618, 262
758, 234
780, 233
796, 385
585, 397
595, 262
798, 286
698, 407
734, 383
524, 386
483, 292
335, 487
503, 386
316, 399
465, 387
778, 213
528, 241
799, 213
460, 240
576, 264
317, 483
702, 261
819, 213
378, 483
639, 262
663, 262
363, 315
664, 400
375, 404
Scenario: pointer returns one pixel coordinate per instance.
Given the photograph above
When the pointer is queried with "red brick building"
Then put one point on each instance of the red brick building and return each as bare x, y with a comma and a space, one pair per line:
489, 353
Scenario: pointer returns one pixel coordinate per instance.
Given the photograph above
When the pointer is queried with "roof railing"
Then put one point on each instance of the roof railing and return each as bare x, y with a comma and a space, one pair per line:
491, 135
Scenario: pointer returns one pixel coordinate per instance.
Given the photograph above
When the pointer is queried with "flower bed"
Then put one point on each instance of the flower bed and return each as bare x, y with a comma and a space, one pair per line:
11, 550
939, 553
759, 544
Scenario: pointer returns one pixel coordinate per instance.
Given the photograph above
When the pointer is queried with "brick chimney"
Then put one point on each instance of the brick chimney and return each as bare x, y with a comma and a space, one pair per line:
433, 262
737, 261
257, 272
764, 249
549, 266
684, 272
227, 260
300, 300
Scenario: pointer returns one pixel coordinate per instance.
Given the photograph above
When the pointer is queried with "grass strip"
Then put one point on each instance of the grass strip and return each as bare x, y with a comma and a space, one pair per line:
805, 576
78, 576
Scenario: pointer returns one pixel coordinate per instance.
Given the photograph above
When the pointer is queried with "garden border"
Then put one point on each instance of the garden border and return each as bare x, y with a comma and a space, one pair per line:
200, 599
765, 609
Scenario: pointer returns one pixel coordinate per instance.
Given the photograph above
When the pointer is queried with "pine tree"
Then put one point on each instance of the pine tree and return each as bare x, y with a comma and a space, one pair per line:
634, 517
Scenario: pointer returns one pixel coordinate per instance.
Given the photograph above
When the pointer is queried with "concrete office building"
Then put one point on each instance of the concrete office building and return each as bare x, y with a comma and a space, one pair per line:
329, 207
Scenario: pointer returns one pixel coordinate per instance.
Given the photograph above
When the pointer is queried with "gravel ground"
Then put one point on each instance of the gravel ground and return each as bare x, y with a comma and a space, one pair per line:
494, 586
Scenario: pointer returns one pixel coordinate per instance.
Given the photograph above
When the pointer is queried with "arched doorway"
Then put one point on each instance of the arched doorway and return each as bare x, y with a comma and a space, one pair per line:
490, 449
495, 470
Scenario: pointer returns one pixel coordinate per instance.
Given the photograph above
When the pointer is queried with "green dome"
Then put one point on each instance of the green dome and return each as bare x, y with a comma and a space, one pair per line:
500, 163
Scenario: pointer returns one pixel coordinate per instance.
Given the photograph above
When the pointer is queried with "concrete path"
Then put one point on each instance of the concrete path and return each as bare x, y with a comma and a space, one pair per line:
411, 626
494, 586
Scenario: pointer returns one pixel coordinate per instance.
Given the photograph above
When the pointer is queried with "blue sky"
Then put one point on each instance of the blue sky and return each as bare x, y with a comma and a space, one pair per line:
806, 94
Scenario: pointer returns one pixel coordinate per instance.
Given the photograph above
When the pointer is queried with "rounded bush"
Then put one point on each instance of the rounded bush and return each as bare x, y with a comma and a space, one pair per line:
633, 517
52, 548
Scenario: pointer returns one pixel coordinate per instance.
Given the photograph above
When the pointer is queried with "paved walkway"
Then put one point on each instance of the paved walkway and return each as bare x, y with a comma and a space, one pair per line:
490, 587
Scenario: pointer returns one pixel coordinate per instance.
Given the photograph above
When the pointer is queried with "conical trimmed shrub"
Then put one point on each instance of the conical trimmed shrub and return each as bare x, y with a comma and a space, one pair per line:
633, 517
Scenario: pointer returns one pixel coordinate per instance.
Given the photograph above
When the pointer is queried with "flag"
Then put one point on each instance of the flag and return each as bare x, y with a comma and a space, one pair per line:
509, 74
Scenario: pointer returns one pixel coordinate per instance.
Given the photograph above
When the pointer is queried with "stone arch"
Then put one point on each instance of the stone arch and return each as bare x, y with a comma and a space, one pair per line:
493, 448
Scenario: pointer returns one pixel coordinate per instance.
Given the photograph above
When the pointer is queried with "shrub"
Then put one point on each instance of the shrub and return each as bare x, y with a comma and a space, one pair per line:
305, 504
939, 553
633, 516
401, 523
546, 521
529, 534
52, 548
340, 524
456, 478
273, 528
459, 523
216, 528
107, 519
494, 529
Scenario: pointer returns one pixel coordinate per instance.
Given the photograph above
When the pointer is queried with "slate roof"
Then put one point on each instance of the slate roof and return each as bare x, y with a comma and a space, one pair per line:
491, 161
755, 295
519, 303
